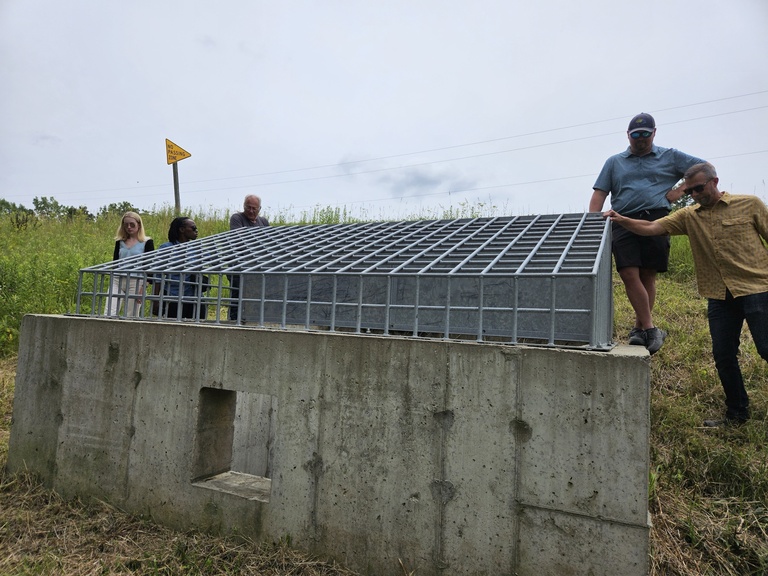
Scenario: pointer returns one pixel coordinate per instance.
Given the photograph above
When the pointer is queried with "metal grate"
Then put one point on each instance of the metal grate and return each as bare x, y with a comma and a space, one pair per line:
541, 279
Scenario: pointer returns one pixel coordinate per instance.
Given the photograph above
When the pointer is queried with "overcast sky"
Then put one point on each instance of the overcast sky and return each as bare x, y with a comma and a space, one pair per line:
385, 108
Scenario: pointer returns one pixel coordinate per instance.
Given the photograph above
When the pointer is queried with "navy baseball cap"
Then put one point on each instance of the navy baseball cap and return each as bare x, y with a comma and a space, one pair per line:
642, 121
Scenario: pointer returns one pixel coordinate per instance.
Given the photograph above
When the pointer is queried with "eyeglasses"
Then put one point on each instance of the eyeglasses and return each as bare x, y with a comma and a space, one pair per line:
643, 134
699, 188
192, 228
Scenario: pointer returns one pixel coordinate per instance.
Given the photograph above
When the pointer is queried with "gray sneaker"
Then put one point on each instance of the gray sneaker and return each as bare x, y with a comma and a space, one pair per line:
637, 337
654, 339
717, 423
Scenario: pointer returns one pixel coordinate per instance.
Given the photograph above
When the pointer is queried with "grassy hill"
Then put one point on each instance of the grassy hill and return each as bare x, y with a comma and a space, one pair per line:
708, 487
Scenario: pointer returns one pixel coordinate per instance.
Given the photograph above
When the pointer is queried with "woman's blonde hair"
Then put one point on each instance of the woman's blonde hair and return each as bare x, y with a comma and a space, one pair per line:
121, 234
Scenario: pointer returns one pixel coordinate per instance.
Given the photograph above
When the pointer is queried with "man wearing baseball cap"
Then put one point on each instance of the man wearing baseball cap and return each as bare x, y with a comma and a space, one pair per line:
640, 181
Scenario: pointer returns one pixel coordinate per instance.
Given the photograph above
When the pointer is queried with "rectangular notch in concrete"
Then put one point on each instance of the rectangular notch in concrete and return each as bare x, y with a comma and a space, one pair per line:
233, 442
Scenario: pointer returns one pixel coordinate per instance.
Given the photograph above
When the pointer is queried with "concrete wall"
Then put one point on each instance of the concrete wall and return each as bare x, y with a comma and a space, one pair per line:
458, 458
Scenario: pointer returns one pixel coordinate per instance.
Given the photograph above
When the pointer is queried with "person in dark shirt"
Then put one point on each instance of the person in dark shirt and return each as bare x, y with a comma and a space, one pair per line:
250, 216
181, 230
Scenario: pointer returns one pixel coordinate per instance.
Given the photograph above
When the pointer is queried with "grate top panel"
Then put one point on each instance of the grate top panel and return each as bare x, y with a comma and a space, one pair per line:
540, 277
548, 244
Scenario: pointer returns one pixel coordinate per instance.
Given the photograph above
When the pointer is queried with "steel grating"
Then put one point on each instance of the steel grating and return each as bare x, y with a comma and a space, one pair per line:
543, 279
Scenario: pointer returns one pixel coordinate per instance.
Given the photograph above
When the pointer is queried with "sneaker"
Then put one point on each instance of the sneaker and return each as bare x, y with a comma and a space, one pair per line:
637, 337
654, 339
724, 422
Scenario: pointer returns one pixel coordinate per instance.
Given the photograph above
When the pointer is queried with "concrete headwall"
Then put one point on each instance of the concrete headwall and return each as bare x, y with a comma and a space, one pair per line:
454, 457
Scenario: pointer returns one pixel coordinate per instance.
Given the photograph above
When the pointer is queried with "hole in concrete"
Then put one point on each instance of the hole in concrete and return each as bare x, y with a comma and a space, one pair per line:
233, 443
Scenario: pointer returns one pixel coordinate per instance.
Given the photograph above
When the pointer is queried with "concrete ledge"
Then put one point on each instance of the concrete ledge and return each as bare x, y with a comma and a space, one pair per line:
456, 457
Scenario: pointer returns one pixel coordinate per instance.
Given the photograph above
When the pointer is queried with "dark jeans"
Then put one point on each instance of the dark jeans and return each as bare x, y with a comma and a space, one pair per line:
726, 318
188, 310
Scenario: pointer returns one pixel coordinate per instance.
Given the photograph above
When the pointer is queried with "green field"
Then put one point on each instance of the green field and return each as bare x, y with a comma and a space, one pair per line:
708, 487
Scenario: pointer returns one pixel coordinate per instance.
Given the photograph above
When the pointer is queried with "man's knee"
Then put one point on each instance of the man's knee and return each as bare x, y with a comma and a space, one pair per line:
630, 273
647, 274
762, 349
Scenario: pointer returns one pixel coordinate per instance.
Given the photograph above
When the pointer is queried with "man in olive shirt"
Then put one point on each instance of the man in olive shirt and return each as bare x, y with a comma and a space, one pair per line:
727, 234
250, 216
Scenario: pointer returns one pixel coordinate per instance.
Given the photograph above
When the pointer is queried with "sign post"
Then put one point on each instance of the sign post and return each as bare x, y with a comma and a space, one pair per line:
175, 153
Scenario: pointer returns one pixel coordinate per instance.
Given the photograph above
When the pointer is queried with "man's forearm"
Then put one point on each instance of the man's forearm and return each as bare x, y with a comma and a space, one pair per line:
676, 192
640, 227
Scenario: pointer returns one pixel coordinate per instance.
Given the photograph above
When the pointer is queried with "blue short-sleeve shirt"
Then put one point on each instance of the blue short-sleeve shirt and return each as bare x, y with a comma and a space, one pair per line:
638, 183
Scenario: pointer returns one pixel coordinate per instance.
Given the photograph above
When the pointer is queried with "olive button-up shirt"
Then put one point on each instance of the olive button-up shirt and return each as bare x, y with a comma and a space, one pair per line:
727, 243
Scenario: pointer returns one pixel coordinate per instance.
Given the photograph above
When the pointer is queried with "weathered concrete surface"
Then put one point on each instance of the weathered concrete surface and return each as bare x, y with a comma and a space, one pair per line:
458, 458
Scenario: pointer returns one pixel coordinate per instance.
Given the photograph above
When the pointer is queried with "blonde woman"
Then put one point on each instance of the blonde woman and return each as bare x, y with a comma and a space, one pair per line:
130, 240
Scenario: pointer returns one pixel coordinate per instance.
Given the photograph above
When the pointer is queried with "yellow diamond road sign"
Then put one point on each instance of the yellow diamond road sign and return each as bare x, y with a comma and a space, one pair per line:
174, 152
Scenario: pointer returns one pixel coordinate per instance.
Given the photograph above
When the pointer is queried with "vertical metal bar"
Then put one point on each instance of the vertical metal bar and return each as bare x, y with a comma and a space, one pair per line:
283, 323
145, 285
309, 302
388, 303
515, 307
481, 310
180, 298
416, 306
552, 307
232, 302
198, 297
333, 304
242, 279
219, 290
263, 298
602, 292
593, 315
108, 307
359, 319
161, 302
94, 298
447, 319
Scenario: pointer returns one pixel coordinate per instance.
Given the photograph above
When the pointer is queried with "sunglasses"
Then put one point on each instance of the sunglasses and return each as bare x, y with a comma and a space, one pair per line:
643, 134
699, 188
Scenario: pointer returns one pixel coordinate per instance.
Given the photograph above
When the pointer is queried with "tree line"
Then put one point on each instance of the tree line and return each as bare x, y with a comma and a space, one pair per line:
45, 208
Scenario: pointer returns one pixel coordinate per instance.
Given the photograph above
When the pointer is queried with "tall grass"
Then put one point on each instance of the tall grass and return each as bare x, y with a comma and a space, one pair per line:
709, 497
